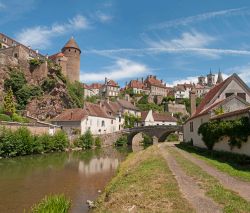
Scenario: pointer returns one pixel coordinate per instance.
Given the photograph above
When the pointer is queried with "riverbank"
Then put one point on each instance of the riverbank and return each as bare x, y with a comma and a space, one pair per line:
143, 183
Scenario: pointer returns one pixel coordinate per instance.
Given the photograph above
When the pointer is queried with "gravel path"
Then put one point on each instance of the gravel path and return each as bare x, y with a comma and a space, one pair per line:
229, 182
190, 189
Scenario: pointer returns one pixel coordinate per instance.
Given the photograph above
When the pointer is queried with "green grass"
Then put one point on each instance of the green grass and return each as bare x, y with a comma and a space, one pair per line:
229, 200
145, 182
52, 204
233, 164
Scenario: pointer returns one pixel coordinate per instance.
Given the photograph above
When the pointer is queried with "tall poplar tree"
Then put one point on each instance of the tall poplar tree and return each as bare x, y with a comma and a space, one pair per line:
9, 103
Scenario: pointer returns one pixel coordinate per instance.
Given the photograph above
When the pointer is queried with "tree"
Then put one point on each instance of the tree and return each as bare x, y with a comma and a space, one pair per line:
9, 103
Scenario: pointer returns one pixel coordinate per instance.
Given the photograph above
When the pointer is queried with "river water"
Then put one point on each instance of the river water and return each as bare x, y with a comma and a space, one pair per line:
79, 175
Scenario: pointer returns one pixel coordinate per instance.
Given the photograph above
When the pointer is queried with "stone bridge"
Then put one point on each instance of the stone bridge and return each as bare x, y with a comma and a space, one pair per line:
159, 133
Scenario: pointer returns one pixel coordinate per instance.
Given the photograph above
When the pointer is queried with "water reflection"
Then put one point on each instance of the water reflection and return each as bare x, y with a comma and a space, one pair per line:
25, 180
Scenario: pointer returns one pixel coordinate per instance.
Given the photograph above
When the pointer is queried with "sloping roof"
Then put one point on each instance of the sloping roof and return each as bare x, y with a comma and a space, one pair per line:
95, 86
112, 83
233, 113
96, 110
127, 105
71, 44
71, 115
111, 107
152, 80
144, 115
136, 84
57, 55
163, 117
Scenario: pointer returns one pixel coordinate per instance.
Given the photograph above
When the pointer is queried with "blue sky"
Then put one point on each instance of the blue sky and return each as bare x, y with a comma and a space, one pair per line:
126, 39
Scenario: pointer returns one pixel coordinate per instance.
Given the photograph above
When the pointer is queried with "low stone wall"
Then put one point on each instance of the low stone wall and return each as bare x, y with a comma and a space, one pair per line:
109, 139
33, 128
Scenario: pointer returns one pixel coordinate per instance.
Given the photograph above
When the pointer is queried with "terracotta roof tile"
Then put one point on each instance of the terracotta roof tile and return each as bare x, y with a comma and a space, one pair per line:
112, 83
57, 55
71, 44
95, 86
163, 117
127, 105
136, 84
71, 115
152, 80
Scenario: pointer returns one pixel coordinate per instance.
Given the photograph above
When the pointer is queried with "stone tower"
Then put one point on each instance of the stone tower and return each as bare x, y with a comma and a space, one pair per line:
210, 79
72, 51
220, 78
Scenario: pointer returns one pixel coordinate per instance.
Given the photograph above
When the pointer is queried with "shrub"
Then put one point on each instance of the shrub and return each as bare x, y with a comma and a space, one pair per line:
237, 131
15, 81
147, 140
48, 84
76, 93
86, 140
98, 142
35, 62
4, 117
52, 203
60, 141
130, 121
173, 137
9, 103
122, 141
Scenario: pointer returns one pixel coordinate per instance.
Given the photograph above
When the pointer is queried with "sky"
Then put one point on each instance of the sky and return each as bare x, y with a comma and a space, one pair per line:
128, 39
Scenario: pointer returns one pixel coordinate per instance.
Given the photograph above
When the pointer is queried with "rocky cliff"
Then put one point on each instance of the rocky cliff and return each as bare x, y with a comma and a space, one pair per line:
54, 93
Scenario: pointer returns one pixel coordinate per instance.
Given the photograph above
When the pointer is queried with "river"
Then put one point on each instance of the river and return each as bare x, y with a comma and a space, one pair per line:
79, 175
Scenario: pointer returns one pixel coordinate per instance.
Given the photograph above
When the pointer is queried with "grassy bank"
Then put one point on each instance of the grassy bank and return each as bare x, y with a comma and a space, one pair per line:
143, 183
229, 200
232, 164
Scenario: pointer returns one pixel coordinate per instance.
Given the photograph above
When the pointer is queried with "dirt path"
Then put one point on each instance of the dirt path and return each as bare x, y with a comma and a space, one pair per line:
229, 182
190, 189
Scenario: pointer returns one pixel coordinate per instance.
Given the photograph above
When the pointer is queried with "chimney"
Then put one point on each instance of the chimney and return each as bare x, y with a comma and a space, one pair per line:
106, 80
155, 77
142, 79
192, 101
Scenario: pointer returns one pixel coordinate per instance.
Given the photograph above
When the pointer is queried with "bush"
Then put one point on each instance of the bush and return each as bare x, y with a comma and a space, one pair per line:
52, 203
35, 62
15, 81
22, 142
86, 141
4, 117
122, 141
48, 84
173, 137
76, 93
18, 118
98, 142
147, 140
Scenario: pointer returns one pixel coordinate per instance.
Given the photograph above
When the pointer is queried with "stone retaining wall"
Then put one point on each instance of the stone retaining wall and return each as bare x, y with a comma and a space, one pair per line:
109, 139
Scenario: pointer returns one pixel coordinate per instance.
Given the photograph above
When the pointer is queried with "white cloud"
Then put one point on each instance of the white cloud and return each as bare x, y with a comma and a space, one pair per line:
102, 17
122, 69
187, 40
242, 71
40, 36
198, 18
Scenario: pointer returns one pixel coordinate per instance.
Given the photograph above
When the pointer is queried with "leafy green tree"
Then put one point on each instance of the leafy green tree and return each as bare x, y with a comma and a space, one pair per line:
76, 93
9, 103
15, 81
122, 141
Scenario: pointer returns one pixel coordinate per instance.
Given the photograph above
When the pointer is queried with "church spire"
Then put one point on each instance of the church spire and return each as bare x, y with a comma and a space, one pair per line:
220, 78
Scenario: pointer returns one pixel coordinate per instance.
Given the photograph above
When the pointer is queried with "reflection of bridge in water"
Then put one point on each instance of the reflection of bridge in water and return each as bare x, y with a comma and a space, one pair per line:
98, 165
160, 133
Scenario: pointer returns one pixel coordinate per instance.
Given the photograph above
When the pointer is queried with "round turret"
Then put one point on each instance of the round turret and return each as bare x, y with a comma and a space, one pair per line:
72, 51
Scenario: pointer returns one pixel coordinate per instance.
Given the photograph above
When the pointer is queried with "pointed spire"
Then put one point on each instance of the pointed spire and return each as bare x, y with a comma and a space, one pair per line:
220, 78
71, 44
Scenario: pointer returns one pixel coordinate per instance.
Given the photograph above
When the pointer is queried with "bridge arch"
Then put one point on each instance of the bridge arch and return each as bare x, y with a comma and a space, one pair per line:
159, 132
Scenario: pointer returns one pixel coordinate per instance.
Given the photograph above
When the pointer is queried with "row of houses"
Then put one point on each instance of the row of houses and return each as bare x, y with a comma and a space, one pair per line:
107, 117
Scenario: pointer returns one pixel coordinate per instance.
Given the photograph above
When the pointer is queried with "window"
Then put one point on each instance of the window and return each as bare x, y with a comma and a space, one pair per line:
229, 94
191, 126
16, 55
112, 121
103, 123
242, 95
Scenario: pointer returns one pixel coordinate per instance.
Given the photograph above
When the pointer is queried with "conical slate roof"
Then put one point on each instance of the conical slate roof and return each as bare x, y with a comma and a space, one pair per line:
71, 44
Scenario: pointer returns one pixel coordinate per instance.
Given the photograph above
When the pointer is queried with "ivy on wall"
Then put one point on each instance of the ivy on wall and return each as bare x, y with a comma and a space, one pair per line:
236, 130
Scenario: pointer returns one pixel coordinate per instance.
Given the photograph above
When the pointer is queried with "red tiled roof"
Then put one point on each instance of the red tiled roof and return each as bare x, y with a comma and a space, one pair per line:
95, 86
71, 44
112, 83
208, 97
96, 110
136, 84
163, 117
152, 80
57, 55
127, 105
144, 115
71, 115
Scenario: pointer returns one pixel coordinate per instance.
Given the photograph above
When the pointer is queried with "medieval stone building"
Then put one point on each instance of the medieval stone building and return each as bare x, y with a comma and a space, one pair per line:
69, 60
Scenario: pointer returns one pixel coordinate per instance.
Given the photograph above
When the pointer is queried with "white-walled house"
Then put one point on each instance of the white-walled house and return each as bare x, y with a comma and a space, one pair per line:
92, 117
151, 118
229, 96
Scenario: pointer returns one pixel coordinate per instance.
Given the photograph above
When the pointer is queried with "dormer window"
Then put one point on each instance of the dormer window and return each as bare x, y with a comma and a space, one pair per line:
229, 94
242, 95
